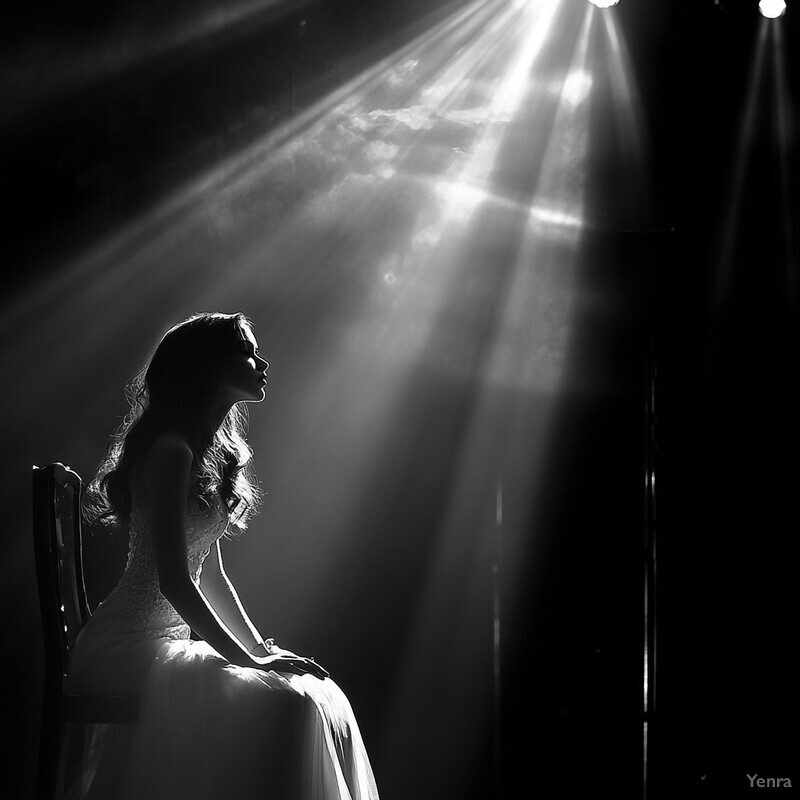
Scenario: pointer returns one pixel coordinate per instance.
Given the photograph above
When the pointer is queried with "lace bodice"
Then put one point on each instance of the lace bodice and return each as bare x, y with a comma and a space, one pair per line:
136, 605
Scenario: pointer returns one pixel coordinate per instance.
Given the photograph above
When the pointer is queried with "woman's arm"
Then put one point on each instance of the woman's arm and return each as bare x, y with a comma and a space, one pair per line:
223, 597
167, 476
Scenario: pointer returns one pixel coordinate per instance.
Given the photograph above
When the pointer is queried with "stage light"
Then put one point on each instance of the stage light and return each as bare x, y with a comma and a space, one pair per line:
604, 3
772, 8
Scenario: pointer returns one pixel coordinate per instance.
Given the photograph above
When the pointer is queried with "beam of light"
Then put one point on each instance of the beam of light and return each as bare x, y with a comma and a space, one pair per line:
526, 348
63, 62
251, 198
379, 348
531, 340
784, 128
742, 157
772, 9
627, 112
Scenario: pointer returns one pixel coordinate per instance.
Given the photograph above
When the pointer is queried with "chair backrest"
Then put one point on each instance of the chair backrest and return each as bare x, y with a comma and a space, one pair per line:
58, 553
57, 536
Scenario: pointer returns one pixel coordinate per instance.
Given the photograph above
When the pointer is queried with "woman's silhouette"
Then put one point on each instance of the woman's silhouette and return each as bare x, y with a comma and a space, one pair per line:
233, 715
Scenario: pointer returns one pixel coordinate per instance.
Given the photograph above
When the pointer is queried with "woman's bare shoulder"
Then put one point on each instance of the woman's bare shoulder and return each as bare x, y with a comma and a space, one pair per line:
167, 463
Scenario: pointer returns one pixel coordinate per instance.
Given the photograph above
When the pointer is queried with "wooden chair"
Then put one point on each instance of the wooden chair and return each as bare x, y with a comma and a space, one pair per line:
57, 538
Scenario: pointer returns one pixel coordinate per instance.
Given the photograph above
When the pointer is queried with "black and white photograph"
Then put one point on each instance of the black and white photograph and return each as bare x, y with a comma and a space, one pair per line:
400, 399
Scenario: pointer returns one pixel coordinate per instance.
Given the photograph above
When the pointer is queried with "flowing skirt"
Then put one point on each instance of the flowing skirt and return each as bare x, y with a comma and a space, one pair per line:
209, 730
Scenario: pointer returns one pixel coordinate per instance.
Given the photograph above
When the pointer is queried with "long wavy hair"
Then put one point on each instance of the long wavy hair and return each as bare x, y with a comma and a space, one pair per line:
175, 392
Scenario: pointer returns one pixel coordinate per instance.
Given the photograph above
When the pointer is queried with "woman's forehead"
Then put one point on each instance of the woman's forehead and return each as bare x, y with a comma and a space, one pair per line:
247, 335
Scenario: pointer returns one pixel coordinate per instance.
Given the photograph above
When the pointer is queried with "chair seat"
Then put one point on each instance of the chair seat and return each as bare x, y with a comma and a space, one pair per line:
100, 708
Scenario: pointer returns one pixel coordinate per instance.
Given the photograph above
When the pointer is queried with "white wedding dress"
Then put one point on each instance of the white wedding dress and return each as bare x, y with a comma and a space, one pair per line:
207, 729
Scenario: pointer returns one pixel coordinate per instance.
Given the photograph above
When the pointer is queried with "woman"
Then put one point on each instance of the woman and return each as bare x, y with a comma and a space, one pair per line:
232, 715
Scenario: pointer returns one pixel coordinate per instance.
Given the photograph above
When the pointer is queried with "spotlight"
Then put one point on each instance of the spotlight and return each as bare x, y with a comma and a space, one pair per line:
604, 3
772, 8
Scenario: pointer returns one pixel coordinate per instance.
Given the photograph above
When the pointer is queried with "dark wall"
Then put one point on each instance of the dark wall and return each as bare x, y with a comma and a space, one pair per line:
728, 346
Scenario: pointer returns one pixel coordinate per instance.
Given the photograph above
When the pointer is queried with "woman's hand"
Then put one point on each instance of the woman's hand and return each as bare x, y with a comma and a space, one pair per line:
286, 661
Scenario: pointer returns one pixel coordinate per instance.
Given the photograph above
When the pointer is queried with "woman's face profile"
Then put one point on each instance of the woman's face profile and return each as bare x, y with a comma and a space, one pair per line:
244, 375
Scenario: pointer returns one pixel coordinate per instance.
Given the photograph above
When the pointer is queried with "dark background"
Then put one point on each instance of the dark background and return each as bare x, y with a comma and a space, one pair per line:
78, 163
